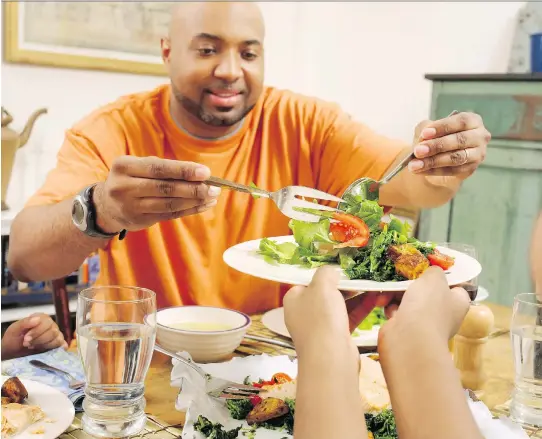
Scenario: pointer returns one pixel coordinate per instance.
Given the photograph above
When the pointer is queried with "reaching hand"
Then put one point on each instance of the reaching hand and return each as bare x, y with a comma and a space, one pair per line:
31, 335
317, 313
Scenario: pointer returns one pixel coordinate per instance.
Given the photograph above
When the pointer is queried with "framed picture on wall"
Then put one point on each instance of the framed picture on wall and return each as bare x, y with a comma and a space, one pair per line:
112, 36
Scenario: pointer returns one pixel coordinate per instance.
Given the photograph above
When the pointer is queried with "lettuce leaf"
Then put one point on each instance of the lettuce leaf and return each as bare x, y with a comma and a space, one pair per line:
282, 253
375, 317
402, 228
369, 211
305, 234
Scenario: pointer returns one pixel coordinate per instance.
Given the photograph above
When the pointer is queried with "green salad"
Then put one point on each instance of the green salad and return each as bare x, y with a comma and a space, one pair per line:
359, 241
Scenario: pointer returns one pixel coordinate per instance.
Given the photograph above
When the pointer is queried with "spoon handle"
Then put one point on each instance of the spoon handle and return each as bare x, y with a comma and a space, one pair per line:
400, 166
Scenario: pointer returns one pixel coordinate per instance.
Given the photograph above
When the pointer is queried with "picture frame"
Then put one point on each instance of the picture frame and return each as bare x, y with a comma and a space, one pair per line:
52, 45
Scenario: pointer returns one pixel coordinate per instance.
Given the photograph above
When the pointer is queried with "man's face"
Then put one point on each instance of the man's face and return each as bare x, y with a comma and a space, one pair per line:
215, 61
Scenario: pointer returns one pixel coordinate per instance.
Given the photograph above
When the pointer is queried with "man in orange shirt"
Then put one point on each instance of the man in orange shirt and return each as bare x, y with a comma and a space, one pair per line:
138, 165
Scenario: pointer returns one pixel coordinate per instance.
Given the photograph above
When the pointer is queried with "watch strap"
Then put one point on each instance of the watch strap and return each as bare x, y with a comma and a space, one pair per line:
92, 227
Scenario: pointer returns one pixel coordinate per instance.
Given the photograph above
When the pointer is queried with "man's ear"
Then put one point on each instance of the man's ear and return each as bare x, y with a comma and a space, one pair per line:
165, 46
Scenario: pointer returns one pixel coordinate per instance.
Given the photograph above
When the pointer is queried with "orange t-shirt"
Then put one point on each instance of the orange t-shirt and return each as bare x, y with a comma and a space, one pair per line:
287, 139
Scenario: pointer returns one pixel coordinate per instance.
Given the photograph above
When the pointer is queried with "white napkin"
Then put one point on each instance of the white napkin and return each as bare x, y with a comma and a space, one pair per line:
192, 397
502, 428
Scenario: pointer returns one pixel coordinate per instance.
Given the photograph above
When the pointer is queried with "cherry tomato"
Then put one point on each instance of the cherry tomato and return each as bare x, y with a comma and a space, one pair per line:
281, 378
255, 400
350, 230
440, 260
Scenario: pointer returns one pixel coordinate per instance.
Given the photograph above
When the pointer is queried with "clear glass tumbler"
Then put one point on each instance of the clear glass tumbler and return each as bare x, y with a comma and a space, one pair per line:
116, 329
526, 333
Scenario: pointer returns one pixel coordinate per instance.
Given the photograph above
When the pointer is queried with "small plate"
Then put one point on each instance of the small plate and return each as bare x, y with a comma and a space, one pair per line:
56, 406
274, 321
245, 258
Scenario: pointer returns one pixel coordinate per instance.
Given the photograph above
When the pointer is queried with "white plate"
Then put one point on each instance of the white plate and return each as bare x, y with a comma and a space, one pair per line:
245, 258
55, 405
274, 321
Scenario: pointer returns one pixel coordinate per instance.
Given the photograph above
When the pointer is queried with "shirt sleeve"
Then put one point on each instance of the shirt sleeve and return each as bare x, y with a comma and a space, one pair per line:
344, 150
84, 158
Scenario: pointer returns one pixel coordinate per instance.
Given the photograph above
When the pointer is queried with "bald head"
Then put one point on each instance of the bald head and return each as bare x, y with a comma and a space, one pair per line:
186, 15
214, 55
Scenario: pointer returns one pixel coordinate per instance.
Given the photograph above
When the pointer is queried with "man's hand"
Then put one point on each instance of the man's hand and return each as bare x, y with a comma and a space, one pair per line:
453, 146
141, 191
31, 335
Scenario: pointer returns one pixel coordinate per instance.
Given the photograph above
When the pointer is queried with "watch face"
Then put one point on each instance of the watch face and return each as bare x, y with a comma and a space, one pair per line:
78, 212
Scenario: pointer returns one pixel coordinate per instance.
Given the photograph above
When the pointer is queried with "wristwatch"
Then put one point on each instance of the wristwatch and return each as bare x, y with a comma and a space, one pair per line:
84, 215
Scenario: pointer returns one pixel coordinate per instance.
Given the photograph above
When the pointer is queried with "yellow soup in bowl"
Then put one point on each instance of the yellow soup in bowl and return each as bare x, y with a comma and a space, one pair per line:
200, 326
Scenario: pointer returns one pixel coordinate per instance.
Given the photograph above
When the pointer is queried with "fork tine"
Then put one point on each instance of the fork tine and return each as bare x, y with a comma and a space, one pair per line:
243, 387
304, 191
300, 216
310, 205
239, 392
230, 396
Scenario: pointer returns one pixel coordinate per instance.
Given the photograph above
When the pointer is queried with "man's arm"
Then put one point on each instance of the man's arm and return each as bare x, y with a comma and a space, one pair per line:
350, 150
47, 244
44, 243
447, 152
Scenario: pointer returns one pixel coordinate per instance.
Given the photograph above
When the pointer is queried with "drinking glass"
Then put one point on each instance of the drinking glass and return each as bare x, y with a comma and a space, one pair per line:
116, 329
526, 334
470, 286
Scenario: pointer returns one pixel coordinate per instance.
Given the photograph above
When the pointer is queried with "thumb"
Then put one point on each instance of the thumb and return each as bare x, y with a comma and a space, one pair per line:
325, 277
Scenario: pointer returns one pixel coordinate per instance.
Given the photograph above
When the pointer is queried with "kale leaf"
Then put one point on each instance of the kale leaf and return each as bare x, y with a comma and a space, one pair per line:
239, 408
214, 431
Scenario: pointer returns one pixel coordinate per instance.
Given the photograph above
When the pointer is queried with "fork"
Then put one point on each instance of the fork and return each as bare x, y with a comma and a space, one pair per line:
285, 198
369, 189
73, 383
215, 387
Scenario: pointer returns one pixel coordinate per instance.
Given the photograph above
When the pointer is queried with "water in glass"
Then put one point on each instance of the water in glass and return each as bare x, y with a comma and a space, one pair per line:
116, 332
526, 333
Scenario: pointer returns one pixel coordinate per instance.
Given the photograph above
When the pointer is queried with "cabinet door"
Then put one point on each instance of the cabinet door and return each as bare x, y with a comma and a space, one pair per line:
496, 208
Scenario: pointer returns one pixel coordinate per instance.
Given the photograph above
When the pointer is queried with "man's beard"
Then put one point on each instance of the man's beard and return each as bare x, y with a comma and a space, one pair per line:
196, 109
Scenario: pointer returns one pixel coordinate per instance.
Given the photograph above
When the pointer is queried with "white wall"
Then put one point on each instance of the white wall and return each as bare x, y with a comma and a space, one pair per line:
369, 57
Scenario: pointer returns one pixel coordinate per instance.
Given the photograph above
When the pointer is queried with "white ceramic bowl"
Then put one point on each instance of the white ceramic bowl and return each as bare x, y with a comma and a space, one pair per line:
203, 346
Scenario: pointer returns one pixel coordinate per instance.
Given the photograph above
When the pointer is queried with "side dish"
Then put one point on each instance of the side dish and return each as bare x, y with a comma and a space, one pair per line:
17, 416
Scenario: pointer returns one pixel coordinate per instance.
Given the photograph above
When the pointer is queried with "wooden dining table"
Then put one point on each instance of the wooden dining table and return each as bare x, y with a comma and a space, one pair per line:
165, 422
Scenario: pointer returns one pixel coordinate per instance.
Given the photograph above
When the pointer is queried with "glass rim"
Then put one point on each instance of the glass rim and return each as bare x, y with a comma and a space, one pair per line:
522, 298
83, 294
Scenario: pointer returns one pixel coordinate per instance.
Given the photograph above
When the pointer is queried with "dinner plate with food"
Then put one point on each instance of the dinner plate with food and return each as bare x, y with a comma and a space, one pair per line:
372, 254
271, 414
32, 410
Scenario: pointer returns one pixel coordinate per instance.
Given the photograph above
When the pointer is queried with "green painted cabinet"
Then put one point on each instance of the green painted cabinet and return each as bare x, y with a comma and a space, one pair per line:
496, 208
